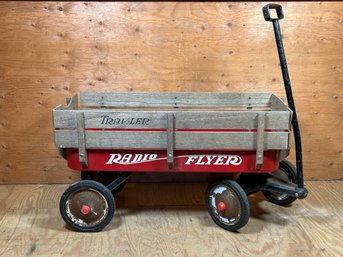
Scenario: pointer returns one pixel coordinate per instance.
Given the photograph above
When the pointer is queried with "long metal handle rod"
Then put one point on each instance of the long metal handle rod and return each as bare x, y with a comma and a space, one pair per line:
291, 104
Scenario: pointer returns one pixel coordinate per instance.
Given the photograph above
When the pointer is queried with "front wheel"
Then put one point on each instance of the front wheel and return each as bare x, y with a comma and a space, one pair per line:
227, 204
286, 172
87, 206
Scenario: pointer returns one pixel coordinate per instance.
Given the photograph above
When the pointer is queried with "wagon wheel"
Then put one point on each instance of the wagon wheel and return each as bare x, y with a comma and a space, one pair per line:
227, 204
286, 172
87, 206
104, 178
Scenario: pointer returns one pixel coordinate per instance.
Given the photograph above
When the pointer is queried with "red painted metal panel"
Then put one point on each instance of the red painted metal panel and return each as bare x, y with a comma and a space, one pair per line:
184, 161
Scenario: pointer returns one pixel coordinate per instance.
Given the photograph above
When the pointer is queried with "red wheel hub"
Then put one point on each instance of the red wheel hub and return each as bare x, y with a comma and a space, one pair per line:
221, 206
85, 209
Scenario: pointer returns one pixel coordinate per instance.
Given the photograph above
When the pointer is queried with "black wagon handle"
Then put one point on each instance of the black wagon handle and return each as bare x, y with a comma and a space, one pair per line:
288, 89
266, 12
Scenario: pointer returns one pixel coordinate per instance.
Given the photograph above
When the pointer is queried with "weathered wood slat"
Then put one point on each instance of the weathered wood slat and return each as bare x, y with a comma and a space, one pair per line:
183, 140
72, 102
82, 139
170, 139
260, 140
164, 99
277, 104
275, 120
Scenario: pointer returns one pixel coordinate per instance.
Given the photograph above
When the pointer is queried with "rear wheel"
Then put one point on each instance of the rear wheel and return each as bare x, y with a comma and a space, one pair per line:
87, 206
227, 204
286, 172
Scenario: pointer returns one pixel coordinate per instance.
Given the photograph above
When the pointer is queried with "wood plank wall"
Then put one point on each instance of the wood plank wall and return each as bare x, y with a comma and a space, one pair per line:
50, 50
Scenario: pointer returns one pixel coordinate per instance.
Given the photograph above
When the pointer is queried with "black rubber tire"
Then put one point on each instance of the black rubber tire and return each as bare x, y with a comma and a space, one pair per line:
289, 170
243, 201
85, 185
104, 178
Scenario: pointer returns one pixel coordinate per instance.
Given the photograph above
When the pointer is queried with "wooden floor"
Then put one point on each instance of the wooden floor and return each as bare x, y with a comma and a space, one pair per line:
171, 220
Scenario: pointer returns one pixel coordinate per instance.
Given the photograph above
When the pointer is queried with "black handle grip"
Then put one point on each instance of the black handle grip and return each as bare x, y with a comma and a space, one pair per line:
266, 12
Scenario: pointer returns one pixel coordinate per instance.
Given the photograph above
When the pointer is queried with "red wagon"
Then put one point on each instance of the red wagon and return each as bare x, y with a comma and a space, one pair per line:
245, 133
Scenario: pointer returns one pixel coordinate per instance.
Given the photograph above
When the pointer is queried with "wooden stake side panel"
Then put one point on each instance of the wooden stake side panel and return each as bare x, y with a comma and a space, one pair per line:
105, 119
183, 140
193, 129
175, 99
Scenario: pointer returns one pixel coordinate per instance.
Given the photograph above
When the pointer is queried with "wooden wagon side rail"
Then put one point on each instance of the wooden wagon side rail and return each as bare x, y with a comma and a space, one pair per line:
175, 100
183, 140
116, 119
175, 128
